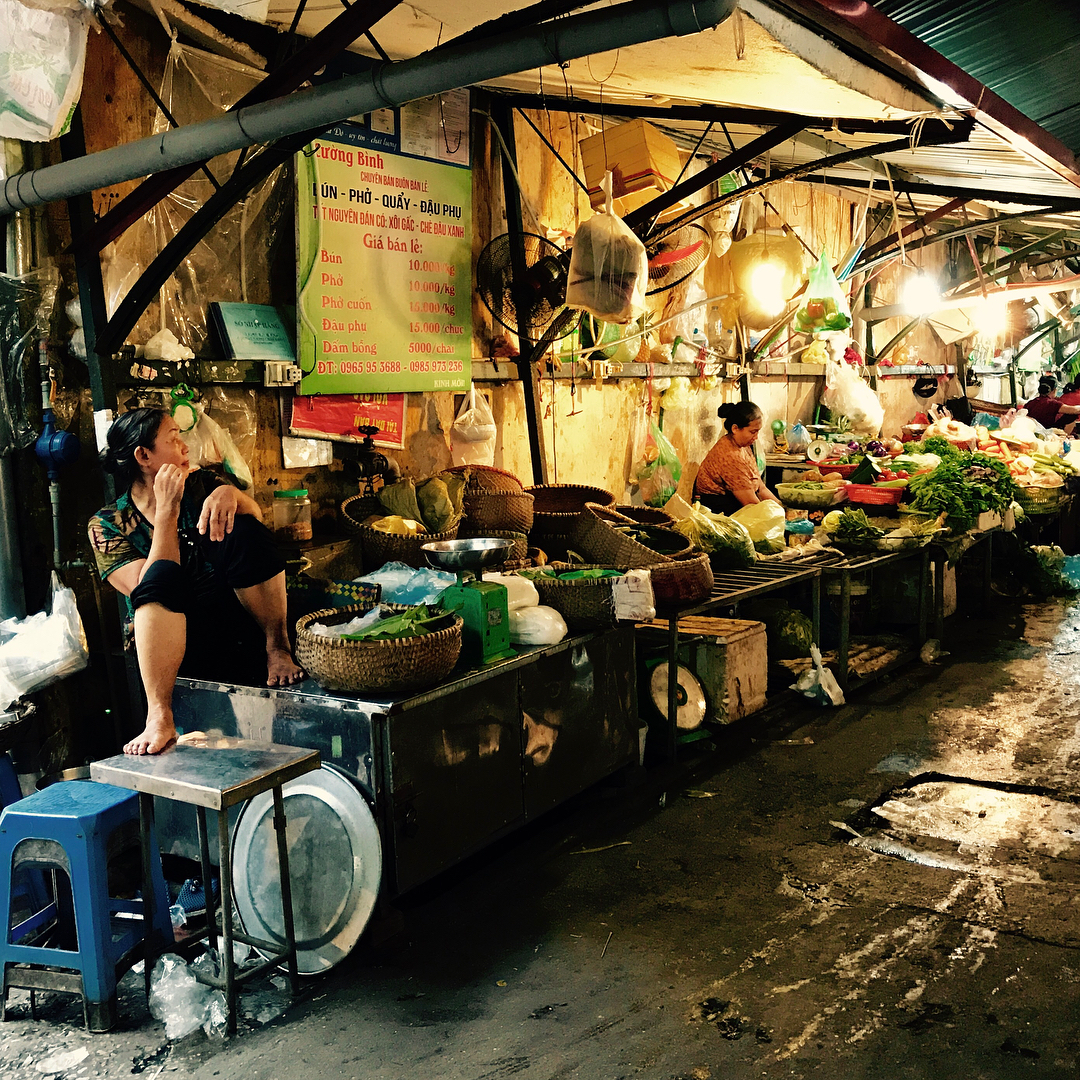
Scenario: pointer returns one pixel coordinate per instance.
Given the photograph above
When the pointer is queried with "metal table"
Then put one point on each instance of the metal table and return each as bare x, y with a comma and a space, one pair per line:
216, 773
858, 564
731, 587
939, 554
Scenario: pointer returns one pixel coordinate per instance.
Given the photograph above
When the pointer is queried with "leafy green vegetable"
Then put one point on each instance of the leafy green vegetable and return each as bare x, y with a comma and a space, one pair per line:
963, 486
935, 444
412, 622
853, 527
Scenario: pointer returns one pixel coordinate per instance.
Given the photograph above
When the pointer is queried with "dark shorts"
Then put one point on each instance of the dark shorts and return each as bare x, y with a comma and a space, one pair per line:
719, 504
223, 641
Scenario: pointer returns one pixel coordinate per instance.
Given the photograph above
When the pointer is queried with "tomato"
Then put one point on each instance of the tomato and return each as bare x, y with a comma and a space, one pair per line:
902, 474
887, 474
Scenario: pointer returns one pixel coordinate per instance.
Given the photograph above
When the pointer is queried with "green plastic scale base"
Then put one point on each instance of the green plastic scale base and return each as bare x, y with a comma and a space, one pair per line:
482, 606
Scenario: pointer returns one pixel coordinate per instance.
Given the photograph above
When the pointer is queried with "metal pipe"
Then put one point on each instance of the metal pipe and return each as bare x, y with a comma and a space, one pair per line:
12, 597
385, 85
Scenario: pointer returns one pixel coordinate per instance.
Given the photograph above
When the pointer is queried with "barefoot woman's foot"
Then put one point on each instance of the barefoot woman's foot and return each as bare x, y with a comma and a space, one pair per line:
281, 668
159, 734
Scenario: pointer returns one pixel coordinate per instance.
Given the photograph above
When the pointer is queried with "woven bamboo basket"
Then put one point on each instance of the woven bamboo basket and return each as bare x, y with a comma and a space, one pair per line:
377, 547
520, 550
488, 478
596, 539
558, 506
585, 604
647, 515
682, 582
509, 510
391, 667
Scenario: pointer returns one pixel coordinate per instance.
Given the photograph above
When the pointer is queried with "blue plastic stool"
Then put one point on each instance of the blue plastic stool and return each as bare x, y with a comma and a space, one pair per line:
77, 826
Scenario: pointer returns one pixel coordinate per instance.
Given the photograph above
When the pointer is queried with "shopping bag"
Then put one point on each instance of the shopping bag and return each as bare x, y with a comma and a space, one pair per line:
659, 470
473, 433
818, 683
824, 305
42, 648
609, 270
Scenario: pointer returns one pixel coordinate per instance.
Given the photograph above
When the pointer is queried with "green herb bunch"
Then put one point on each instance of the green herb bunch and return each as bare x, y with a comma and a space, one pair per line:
963, 486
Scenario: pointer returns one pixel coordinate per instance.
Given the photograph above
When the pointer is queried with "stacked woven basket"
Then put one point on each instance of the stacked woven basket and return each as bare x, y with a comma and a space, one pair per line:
378, 547
558, 508
497, 505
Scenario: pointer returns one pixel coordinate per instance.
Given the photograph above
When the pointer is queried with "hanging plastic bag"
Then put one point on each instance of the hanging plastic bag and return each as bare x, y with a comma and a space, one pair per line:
847, 395
824, 305
818, 683
42, 648
472, 435
764, 521
659, 471
207, 441
609, 269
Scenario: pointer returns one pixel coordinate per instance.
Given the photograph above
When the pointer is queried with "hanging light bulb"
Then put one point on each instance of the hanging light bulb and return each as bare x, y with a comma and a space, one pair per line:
993, 316
767, 281
920, 294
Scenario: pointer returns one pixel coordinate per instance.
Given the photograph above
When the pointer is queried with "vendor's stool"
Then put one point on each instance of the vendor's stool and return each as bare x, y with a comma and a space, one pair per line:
78, 827
216, 773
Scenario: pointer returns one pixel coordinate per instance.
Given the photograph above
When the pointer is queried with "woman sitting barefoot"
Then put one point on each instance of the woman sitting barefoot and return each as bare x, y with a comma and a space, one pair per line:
204, 581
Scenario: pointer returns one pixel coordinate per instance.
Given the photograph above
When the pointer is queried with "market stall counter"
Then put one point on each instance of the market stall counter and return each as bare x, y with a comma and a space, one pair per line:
443, 772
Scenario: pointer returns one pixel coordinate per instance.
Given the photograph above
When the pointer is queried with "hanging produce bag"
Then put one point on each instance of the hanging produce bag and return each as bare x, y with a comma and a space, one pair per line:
473, 434
847, 395
207, 441
609, 269
824, 306
659, 471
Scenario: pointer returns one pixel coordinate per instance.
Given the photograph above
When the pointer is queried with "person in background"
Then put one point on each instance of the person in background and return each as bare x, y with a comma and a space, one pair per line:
1071, 396
203, 578
1046, 408
729, 478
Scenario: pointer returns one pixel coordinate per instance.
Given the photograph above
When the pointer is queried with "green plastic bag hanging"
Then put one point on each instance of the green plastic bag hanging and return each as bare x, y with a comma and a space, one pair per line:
659, 470
824, 305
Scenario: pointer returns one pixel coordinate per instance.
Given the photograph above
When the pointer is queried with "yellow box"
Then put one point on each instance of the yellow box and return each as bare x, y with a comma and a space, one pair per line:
643, 162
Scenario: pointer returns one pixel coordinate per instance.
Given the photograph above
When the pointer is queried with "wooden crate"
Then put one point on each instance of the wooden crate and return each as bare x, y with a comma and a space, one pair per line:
643, 162
730, 660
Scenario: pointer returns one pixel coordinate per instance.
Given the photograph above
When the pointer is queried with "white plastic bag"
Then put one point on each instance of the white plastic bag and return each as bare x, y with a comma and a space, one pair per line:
609, 270
520, 592
538, 625
472, 435
209, 443
847, 395
42, 648
818, 683
42, 54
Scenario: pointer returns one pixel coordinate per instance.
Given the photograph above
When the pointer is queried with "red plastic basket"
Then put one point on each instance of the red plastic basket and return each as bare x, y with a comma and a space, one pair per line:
870, 495
825, 467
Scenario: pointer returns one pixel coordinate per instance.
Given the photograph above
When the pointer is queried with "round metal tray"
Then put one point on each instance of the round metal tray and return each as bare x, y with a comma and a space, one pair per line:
335, 866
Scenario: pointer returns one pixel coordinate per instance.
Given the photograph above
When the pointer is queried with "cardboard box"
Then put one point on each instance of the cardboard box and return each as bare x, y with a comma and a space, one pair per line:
729, 658
643, 162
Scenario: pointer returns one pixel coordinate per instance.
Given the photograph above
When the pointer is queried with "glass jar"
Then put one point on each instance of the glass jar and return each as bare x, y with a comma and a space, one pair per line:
292, 514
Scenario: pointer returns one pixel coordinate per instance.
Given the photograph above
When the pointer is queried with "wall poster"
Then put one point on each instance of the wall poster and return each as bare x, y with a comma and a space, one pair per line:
384, 246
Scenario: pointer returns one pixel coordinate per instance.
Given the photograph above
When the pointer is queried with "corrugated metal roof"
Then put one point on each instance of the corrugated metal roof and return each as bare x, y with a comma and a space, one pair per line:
1024, 50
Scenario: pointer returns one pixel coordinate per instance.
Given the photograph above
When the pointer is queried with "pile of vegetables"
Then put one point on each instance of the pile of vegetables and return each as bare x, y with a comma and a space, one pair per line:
852, 527
962, 487
412, 622
726, 542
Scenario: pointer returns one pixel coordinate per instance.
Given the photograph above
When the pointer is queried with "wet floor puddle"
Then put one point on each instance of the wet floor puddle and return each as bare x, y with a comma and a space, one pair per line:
1018, 835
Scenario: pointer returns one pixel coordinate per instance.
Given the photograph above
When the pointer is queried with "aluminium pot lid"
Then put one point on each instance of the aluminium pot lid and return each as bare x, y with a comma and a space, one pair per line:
335, 867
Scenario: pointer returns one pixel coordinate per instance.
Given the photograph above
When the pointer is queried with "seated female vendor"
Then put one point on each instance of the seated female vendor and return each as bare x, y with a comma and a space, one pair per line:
204, 581
728, 478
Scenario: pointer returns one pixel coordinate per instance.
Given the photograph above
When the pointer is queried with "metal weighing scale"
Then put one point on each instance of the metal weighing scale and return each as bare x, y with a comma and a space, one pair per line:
481, 604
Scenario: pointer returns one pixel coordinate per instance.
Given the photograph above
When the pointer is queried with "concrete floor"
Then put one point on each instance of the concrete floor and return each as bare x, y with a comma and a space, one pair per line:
729, 923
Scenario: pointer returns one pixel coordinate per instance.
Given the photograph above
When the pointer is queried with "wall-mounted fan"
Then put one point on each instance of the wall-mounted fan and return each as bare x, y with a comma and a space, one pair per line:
544, 287
674, 258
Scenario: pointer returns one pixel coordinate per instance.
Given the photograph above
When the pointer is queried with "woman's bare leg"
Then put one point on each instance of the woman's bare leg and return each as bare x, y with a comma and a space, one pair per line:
160, 639
265, 603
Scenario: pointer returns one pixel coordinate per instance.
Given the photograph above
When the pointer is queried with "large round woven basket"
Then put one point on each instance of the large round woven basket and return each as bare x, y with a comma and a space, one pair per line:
647, 515
682, 582
510, 510
378, 547
597, 540
488, 478
585, 603
391, 667
558, 506
518, 553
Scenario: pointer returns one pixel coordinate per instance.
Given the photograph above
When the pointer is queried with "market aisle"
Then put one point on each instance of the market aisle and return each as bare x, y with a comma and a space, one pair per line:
736, 933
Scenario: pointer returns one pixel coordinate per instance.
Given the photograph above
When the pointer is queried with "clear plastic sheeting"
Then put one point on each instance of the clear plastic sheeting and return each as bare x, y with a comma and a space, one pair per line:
231, 263
26, 305
42, 56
